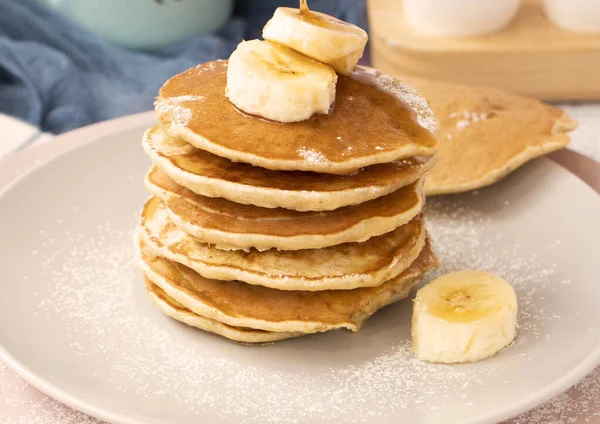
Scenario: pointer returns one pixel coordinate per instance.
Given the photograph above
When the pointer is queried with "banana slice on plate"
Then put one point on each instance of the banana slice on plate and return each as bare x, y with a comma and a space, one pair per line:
464, 316
277, 83
318, 36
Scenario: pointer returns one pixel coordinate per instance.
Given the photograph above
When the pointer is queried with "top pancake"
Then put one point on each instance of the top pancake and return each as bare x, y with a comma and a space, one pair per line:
375, 119
213, 176
485, 134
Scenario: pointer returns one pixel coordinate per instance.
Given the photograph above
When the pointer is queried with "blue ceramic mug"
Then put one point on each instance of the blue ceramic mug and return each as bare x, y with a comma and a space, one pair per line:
145, 24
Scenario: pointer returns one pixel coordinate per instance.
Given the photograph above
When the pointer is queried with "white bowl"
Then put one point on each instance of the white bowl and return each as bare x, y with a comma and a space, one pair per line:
574, 15
459, 17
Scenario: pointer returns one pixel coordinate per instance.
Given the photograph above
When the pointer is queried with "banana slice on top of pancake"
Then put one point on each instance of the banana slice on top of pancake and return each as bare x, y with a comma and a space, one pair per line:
318, 36
277, 83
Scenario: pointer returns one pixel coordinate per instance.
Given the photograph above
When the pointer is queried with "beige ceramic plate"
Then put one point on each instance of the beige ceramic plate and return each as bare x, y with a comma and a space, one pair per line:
76, 322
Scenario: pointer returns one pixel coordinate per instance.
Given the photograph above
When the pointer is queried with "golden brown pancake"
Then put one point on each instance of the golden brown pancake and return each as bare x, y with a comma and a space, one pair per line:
177, 311
243, 305
213, 176
231, 225
485, 134
373, 121
341, 267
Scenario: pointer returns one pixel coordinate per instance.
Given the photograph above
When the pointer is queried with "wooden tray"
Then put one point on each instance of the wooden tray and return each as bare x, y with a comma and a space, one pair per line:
530, 57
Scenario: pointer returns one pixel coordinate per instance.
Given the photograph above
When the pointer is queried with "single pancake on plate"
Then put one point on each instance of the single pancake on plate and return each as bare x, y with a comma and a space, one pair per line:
485, 134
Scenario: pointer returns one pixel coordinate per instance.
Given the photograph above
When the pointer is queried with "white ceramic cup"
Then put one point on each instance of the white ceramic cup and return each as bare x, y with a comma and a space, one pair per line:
457, 18
574, 15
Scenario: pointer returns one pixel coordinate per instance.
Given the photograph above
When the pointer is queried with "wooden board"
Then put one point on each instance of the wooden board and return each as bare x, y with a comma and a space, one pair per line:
530, 57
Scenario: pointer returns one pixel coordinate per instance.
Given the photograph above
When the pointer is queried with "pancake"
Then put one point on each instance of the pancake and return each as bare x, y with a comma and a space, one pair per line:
243, 305
177, 311
485, 134
230, 225
375, 119
341, 267
212, 176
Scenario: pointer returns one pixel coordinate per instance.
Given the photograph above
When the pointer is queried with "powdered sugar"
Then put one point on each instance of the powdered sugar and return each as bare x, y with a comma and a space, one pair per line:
174, 110
468, 118
312, 156
407, 94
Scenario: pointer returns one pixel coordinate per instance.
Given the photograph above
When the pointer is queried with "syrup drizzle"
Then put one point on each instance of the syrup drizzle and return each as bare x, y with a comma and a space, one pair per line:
319, 19
304, 10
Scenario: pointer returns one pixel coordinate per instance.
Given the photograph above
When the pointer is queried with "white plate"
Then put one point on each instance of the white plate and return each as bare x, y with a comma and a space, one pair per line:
75, 321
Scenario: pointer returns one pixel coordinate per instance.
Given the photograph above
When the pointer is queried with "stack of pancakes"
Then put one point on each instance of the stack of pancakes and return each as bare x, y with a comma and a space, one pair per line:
260, 231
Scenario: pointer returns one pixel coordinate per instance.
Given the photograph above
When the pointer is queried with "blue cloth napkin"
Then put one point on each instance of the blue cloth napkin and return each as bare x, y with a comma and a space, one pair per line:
57, 76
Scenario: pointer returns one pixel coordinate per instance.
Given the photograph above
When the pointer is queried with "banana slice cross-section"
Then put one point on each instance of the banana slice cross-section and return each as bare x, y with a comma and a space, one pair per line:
318, 36
277, 83
464, 316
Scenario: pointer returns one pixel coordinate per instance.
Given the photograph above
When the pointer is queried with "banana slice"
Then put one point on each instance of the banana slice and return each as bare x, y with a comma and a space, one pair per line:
318, 36
277, 83
465, 316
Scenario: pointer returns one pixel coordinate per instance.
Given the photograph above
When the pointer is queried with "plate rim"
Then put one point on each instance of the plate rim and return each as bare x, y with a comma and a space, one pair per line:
72, 141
